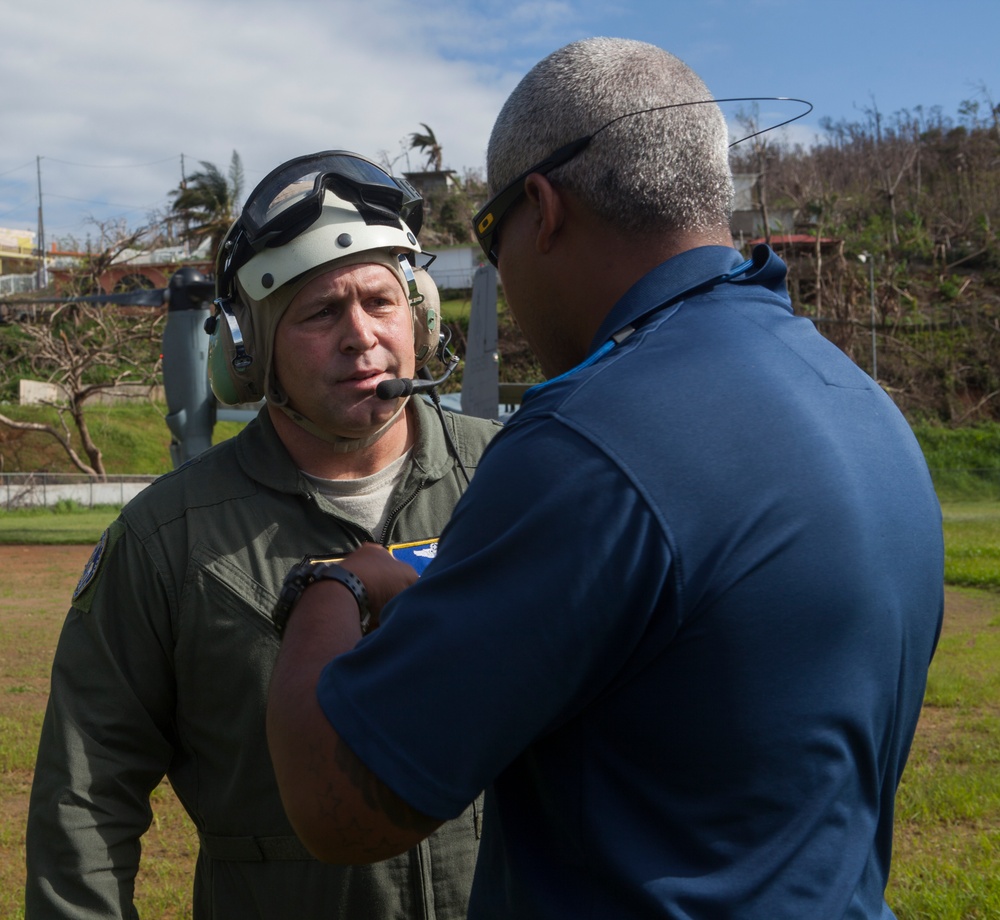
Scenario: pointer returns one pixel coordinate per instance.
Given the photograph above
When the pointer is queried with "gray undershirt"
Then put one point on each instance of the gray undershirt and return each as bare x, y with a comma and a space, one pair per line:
364, 501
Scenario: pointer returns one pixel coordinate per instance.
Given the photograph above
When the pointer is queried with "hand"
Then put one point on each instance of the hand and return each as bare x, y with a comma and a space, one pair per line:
382, 576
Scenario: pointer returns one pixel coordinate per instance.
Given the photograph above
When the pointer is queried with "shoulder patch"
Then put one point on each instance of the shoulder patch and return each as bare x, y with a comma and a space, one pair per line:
86, 586
93, 564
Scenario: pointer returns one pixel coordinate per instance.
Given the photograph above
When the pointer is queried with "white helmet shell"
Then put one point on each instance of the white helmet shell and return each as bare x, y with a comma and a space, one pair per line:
339, 231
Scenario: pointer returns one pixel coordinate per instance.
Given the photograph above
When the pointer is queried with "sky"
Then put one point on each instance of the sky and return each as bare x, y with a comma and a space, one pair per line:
107, 105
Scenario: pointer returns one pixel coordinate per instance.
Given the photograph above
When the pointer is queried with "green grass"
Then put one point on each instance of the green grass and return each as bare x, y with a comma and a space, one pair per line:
457, 310
947, 859
947, 841
34, 591
965, 462
971, 535
69, 524
133, 438
972, 543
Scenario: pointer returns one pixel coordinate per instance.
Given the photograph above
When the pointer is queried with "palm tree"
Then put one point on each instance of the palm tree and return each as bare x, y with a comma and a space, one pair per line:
209, 201
427, 143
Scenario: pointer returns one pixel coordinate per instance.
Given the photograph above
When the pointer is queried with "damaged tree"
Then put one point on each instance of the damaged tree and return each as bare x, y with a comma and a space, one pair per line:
84, 350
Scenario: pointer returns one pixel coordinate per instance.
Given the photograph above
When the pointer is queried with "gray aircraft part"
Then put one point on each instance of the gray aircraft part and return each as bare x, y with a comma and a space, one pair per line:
190, 401
480, 377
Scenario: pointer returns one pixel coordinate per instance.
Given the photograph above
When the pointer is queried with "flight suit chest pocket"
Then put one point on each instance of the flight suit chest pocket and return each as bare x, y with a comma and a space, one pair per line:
222, 597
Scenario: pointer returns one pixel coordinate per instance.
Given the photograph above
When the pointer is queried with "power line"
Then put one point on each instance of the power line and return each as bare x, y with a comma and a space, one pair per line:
108, 204
21, 205
15, 169
112, 165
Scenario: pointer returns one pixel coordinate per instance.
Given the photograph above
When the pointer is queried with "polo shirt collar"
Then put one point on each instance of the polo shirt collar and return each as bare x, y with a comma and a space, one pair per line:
688, 273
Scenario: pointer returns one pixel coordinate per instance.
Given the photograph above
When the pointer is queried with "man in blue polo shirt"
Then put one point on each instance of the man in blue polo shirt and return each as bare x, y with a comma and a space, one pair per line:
679, 626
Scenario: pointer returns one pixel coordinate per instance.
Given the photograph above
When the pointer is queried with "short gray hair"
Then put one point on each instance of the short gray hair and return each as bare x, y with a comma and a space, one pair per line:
651, 172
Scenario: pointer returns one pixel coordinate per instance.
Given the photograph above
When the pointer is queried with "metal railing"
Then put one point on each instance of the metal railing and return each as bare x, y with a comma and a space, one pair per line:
17, 284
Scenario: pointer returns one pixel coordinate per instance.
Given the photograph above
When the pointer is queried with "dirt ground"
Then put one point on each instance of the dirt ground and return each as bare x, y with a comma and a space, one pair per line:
35, 586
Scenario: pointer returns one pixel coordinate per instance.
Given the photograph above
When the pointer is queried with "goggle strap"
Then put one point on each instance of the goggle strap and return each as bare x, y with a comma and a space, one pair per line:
241, 360
416, 298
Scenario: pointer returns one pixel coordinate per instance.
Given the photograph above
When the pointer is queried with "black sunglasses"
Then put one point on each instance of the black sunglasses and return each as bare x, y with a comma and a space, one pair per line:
487, 222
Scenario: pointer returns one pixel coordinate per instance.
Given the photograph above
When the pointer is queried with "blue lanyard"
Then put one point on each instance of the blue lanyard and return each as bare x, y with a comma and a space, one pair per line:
626, 331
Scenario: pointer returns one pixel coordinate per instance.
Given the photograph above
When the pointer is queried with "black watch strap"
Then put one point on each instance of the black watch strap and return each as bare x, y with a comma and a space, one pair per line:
303, 575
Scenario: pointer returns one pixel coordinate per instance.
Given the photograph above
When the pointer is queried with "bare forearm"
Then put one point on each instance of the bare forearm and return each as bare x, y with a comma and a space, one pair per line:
342, 812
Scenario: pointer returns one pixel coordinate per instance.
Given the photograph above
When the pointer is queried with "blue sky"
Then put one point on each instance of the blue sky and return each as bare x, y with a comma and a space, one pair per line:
111, 95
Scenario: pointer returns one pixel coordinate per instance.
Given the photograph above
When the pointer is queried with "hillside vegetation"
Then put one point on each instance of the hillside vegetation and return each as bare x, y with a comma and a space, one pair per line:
917, 193
889, 226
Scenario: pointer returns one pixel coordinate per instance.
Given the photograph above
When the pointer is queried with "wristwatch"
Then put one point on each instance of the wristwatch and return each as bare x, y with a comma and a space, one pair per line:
303, 575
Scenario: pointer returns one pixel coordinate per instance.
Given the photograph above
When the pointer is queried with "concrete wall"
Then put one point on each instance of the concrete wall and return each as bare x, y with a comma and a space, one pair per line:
35, 490
454, 267
35, 392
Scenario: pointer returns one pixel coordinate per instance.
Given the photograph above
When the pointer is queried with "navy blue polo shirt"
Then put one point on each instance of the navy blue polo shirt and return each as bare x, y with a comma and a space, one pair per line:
678, 627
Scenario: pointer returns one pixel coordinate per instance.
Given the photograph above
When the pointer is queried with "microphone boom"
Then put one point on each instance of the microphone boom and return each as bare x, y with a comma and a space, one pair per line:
394, 389
405, 386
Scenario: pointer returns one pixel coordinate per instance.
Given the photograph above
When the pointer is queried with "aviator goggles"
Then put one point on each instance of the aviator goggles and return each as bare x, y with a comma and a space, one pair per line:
289, 200
487, 222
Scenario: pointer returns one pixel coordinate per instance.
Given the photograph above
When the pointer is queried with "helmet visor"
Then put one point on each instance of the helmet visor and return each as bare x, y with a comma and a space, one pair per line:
289, 199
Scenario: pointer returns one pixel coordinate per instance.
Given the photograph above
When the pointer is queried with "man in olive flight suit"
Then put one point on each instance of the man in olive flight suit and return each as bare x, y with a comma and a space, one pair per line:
165, 657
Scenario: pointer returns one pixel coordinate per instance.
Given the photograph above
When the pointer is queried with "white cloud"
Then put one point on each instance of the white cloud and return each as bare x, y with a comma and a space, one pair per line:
100, 90
128, 82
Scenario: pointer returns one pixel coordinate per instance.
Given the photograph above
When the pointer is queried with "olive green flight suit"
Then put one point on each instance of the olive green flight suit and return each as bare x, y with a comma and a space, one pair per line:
162, 668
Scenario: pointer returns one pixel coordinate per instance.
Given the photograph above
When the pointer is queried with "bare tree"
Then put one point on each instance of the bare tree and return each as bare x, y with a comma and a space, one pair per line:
85, 350
114, 240
893, 156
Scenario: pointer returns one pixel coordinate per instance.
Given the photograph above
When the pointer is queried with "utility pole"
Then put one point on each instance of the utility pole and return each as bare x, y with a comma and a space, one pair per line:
43, 274
187, 239
870, 259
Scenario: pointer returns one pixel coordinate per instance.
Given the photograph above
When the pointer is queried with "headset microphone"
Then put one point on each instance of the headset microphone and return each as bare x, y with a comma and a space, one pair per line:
405, 386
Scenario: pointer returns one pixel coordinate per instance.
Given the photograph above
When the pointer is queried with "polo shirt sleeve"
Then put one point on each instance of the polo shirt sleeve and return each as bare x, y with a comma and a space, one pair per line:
537, 600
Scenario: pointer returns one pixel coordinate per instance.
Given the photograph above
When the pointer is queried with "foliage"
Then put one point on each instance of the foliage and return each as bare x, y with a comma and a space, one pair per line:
427, 143
449, 211
15, 361
134, 438
209, 201
918, 192
965, 463
976, 447
85, 350
115, 239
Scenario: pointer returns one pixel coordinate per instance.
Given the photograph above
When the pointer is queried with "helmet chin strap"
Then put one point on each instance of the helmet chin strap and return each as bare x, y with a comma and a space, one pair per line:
342, 445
